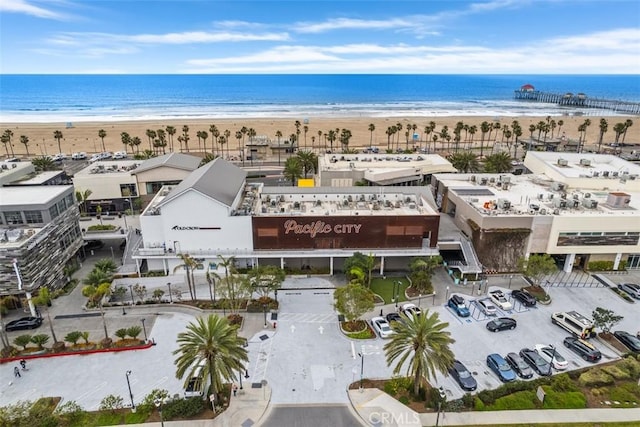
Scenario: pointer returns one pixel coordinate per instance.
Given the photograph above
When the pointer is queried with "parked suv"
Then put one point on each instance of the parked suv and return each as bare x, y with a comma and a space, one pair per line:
630, 288
583, 349
500, 367
456, 302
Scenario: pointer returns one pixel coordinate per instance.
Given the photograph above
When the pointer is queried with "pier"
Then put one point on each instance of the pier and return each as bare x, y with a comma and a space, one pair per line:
529, 93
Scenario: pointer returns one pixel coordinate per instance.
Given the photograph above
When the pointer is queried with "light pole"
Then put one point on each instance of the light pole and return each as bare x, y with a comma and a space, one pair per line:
131, 290
553, 353
510, 279
447, 295
264, 311
133, 406
396, 291
276, 294
144, 329
240, 378
419, 300
158, 403
361, 370
170, 297
442, 398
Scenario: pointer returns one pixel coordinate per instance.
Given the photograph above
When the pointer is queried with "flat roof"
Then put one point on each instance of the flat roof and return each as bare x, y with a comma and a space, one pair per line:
31, 195
16, 236
110, 167
417, 163
585, 165
39, 178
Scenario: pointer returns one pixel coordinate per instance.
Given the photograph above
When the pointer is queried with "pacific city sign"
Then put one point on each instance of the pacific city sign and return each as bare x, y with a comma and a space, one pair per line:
193, 227
319, 227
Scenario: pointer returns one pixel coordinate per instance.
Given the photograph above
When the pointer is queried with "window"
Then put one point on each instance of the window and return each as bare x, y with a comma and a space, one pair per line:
127, 190
13, 217
53, 211
33, 217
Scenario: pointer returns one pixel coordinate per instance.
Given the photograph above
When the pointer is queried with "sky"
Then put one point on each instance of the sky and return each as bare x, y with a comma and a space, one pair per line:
320, 37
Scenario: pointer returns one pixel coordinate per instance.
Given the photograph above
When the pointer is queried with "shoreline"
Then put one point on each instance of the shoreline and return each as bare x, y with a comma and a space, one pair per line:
83, 136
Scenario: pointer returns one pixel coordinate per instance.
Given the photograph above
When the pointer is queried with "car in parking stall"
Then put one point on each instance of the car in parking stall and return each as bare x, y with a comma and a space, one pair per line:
582, 348
120, 155
382, 327
487, 307
80, 155
536, 361
463, 377
23, 323
393, 317
410, 310
525, 298
630, 288
498, 298
59, 157
630, 341
502, 324
552, 356
501, 368
457, 304
519, 366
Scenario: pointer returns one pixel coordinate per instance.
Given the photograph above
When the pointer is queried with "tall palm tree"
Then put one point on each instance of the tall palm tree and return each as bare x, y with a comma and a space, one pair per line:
604, 126
57, 135
627, 124
309, 162
227, 135
215, 133
6, 139
44, 299
278, 135
25, 141
618, 128
485, 127
151, 135
96, 294
305, 129
216, 343
185, 137
320, 139
297, 124
135, 142
125, 138
331, 137
188, 264
222, 140
420, 346
162, 139
102, 134
371, 128
170, 131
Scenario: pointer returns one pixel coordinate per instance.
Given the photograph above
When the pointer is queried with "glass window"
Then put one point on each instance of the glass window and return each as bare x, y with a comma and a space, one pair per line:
33, 217
13, 217
53, 211
127, 190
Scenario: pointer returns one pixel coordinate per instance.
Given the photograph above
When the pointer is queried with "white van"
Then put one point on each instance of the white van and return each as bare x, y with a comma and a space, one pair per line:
196, 383
575, 323
79, 156
120, 155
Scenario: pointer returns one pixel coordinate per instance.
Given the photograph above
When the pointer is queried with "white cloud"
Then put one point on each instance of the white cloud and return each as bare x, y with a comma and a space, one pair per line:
24, 7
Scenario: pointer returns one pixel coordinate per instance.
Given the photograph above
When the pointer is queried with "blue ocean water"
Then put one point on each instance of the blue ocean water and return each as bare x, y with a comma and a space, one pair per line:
48, 98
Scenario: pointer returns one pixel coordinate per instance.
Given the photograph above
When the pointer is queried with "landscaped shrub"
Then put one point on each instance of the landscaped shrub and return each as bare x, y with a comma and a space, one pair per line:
404, 400
396, 385
71, 413
111, 403
595, 377
520, 400
479, 404
101, 227
631, 366
564, 400
616, 372
624, 393
183, 408
562, 383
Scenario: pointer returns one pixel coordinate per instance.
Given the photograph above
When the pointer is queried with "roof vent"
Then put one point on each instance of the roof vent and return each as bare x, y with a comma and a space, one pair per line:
563, 162
585, 162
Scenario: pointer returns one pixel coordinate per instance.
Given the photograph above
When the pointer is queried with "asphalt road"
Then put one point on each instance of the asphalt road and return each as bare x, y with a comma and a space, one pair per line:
311, 416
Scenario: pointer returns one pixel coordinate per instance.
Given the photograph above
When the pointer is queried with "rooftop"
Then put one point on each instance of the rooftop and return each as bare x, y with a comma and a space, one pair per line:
420, 163
39, 178
16, 237
110, 167
172, 160
30, 195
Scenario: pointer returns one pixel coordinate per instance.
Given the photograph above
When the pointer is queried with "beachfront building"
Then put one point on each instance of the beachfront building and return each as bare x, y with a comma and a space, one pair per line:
577, 207
39, 234
168, 169
215, 213
347, 170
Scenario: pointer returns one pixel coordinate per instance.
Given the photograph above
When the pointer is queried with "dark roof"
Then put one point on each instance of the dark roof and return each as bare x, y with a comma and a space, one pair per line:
172, 160
218, 179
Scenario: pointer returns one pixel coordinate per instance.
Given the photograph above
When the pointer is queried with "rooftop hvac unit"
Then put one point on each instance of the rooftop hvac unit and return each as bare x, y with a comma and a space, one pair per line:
483, 181
472, 178
575, 196
504, 204
5, 166
541, 196
543, 211
474, 200
596, 174
590, 203
412, 205
605, 174
550, 196
556, 211
576, 203
614, 174
618, 200
557, 186
505, 186
563, 162
504, 178
492, 180
585, 162
560, 203
587, 195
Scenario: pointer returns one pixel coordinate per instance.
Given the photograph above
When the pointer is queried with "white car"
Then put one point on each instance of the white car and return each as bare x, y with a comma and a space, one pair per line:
120, 155
411, 310
79, 155
59, 157
95, 158
381, 326
487, 307
500, 300
547, 352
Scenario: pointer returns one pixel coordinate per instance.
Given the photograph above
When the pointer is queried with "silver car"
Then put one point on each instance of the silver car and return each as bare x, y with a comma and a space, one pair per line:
630, 288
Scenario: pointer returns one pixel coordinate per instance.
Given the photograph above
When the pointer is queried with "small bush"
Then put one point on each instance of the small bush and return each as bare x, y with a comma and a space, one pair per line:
566, 400
183, 408
616, 372
630, 366
563, 382
111, 403
404, 400
479, 404
595, 378
520, 400
395, 385
625, 393
101, 227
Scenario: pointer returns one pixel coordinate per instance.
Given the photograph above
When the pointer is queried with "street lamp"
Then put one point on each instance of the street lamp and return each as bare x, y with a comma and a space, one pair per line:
276, 294
553, 353
510, 279
447, 295
443, 396
396, 291
361, 370
133, 406
170, 297
158, 403
264, 311
240, 377
144, 329
131, 290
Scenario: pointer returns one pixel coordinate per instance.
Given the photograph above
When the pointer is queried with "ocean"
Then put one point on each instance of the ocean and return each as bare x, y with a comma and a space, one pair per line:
77, 98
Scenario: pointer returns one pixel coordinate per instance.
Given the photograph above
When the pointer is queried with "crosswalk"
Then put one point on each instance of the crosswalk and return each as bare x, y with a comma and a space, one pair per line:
308, 317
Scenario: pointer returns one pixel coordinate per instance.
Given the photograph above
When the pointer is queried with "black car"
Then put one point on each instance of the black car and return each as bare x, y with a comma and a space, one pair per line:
583, 349
536, 361
393, 317
630, 341
524, 297
502, 324
23, 323
462, 375
518, 365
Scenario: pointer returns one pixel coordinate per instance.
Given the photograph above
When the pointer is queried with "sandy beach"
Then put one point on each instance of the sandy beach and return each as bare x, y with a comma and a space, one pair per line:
83, 136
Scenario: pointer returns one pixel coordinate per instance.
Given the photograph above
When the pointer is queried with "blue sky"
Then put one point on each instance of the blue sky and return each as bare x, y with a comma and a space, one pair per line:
410, 37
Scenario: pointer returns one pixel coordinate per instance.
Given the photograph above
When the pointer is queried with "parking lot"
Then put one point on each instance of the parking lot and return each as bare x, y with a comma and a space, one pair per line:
474, 342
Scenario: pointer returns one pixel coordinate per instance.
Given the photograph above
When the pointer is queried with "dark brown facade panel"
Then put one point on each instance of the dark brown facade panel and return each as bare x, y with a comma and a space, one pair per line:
344, 232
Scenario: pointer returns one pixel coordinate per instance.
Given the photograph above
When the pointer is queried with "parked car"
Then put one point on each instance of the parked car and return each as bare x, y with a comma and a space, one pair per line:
487, 307
524, 297
23, 323
411, 310
536, 362
456, 302
632, 342
630, 288
381, 326
551, 355
81, 155
393, 317
501, 368
519, 366
583, 349
59, 157
96, 157
502, 324
500, 300
120, 155
464, 378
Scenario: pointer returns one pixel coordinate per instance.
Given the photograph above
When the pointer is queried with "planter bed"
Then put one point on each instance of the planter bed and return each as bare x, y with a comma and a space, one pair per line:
76, 352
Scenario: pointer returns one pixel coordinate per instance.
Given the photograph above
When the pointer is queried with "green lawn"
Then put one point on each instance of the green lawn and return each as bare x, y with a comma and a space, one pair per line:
384, 288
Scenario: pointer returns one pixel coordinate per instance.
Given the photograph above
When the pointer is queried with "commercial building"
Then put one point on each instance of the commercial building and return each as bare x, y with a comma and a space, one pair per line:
215, 212
347, 170
168, 169
576, 207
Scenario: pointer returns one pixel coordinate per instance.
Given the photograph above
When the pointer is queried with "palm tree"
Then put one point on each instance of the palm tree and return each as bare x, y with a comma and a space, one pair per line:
185, 137
57, 135
618, 128
82, 197
278, 135
101, 134
97, 294
604, 126
389, 132
305, 129
309, 162
6, 139
498, 163
421, 346
125, 138
485, 127
216, 343
44, 299
204, 135
25, 140
215, 133
188, 264
627, 124
331, 137
292, 169
297, 124
207, 158
222, 140
320, 139
162, 139
227, 135
151, 134
465, 162
135, 142
371, 128
170, 131
44, 163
